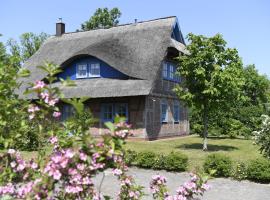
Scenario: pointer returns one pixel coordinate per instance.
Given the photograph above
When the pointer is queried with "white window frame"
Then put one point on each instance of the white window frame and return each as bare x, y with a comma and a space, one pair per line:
90, 69
171, 72
165, 70
77, 70
164, 103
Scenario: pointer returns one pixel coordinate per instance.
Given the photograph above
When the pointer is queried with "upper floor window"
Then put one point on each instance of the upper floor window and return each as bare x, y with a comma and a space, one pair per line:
165, 71
81, 71
88, 70
94, 70
169, 72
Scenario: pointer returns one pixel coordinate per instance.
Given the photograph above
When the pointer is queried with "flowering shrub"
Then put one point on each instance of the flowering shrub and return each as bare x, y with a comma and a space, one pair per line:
195, 187
262, 137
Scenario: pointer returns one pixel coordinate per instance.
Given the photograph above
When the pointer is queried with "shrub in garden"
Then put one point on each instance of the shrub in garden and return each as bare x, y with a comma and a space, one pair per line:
240, 171
146, 159
218, 165
130, 157
175, 162
259, 170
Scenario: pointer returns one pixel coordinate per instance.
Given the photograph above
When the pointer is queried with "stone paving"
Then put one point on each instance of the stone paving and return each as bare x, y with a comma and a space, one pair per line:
222, 189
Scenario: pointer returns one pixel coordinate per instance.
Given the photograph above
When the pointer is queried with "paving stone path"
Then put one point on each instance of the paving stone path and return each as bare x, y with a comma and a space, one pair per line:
222, 189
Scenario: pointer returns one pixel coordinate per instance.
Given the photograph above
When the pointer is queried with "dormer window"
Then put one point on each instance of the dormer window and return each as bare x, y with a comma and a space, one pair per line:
94, 70
81, 71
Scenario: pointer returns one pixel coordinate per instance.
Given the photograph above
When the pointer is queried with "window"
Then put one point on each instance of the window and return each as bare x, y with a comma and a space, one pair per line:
67, 112
81, 71
165, 71
107, 112
176, 112
171, 71
94, 70
121, 110
164, 112
110, 110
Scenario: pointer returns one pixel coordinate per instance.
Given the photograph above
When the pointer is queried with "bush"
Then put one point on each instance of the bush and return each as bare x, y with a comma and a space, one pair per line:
236, 128
146, 159
218, 165
259, 170
130, 157
171, 162
240, 171
175, 162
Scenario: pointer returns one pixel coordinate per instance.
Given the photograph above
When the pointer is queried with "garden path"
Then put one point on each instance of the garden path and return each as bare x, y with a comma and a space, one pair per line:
222, 189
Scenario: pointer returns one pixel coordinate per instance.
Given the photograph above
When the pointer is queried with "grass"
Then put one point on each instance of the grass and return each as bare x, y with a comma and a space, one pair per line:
237, 149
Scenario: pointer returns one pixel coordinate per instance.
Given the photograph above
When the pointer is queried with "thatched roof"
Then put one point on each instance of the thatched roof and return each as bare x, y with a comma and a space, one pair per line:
136, 50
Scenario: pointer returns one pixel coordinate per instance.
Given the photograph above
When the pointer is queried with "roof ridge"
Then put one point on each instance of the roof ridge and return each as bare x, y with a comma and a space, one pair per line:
120, 25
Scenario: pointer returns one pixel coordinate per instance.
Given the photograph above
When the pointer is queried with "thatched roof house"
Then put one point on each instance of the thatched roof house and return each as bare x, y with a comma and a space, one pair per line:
128, 70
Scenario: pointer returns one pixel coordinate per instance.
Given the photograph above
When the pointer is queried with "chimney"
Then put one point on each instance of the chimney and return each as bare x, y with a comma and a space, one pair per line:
60, 27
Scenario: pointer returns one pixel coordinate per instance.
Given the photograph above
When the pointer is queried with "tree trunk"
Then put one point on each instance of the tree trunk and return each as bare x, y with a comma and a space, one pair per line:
205, 128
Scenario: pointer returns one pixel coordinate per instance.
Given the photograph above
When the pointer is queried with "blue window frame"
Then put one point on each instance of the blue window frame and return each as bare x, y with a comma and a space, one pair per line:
164, 111
81, 70
94, 70
176, 112
107, 112
169, 72
110, 110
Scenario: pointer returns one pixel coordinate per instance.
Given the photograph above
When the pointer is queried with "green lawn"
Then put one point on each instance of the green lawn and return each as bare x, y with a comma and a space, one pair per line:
237, 149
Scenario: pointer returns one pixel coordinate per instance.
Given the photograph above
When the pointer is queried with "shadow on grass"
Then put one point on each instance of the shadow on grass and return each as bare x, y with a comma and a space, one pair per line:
211, 147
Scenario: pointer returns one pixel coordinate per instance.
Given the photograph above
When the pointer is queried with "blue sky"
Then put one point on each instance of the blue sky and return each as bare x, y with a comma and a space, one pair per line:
245, 24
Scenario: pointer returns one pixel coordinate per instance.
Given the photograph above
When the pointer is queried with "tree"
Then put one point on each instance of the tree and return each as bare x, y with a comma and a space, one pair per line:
29, 43
212, 76
102, 18
256, 86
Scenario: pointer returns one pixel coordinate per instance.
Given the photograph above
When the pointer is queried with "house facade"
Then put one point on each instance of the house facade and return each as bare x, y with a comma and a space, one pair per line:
128, 70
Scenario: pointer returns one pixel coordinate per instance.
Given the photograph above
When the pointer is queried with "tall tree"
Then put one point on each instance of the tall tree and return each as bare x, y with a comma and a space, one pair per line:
29, 43
102, 18
212, 76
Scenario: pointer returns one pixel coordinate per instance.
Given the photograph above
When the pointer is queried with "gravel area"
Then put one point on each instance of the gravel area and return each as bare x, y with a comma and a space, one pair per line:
222, 189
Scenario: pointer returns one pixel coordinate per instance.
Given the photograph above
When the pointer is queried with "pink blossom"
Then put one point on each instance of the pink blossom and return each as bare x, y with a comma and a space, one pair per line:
86, 181
53, 140
44, 95
56, 114
83, 156
69, 153
117, 172
80, 166
52, 102
34, 165
57, 175
205, 186
39, 85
